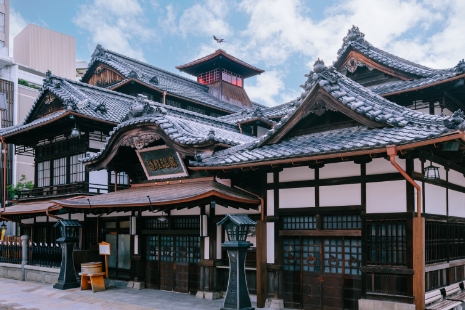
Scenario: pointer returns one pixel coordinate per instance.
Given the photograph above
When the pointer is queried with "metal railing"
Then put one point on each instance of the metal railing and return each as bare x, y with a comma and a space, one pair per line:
67, 189
43, 255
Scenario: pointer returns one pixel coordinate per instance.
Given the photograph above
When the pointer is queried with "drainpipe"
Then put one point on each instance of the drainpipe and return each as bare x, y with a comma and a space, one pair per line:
418, 227
240, 128
164, 97
392, 153
4, 173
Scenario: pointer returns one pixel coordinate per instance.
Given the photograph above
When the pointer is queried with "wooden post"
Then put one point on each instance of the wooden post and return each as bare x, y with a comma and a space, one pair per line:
419, 262
260, 230
106, 266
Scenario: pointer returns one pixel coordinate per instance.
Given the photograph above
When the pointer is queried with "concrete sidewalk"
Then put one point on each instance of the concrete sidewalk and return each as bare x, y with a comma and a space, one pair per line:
30, 295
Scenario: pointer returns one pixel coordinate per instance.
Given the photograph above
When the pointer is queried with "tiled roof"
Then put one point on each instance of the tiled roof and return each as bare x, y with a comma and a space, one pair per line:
223, 53
278, 111
162, 195
85, 99
256, 113
158, 78
402, 125
355, 39
28, 208
37, 122
400, 86
182, 128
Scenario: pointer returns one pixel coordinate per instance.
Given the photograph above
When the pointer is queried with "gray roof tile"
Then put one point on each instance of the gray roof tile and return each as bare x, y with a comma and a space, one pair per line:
165, 81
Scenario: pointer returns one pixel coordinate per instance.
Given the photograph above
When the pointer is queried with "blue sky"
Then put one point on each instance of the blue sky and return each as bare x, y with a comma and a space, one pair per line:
283, 37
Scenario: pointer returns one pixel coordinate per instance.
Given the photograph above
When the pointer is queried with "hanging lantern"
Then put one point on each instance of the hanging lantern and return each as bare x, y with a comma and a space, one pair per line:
3, 230
431, 172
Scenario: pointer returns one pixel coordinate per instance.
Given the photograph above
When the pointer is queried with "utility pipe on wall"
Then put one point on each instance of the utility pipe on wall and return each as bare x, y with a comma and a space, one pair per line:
4, 173
392, 153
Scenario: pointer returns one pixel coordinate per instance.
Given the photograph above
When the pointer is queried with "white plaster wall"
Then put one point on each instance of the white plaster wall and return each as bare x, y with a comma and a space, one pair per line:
435, 199
220, 210
270, 202
269, 177
186, 211
261, 131
297, 197
270, 241
417, 166
339, 170
442, 171
98, 179
456, 203
27, 221
206, 249
296, 174
340, 195
386, 197
456, 178
381, 165
78, 217
41, 219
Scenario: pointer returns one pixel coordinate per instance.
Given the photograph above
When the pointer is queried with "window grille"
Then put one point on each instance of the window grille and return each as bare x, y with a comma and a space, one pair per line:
390, 284
299, 222
151, 247
436, 242
386, 242
194, 109
186, 223
232, 78
342, 222
59, 171
43, 174
122, 178
154, 223
173, 103
77, 173
209, 77
457, 240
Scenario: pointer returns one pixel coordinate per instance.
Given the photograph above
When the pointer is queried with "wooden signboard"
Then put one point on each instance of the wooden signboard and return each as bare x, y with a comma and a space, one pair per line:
161, 162
104, 249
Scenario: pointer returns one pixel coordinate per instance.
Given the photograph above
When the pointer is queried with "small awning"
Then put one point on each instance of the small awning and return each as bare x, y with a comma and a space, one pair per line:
167, 195
28, 208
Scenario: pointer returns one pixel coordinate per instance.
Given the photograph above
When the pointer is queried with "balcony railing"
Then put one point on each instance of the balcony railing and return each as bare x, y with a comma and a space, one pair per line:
66, 190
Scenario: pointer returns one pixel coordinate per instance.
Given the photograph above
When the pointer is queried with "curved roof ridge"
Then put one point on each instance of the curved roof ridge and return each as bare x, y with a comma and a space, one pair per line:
100, 50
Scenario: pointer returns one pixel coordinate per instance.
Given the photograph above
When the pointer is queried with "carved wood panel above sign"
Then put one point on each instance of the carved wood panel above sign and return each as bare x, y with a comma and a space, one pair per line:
161, 162
140, 141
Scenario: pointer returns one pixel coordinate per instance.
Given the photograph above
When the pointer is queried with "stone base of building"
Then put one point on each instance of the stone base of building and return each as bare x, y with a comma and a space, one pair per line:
29, 273
275, 304
368, 304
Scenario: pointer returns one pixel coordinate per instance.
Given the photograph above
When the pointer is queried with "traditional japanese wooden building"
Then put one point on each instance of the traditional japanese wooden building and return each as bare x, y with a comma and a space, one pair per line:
357, 185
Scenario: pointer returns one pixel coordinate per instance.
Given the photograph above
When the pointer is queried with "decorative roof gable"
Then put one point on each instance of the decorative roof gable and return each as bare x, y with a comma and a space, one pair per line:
356, 52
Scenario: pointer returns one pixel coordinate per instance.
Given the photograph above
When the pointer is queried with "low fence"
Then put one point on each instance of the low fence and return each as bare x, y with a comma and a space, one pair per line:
43, 255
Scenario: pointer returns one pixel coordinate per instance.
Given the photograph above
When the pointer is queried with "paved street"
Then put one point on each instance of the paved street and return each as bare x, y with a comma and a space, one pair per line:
30, 295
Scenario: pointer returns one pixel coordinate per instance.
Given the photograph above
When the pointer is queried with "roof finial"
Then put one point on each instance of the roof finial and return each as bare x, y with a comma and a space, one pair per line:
460, 67
354, 34
319, 66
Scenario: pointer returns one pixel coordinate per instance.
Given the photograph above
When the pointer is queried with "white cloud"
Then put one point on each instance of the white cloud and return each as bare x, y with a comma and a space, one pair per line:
17, 24
206, 18
269, 85
119, 25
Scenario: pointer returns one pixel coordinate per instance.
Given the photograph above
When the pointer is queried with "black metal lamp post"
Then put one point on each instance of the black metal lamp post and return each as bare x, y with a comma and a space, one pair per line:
237, 228
68, 277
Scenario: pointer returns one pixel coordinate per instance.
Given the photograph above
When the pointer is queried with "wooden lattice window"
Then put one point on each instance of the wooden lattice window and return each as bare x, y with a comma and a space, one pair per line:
186, 223
389, 284
386, 242
457, 240
299, 222
154, 223
436, 242
151, 243
342, 222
